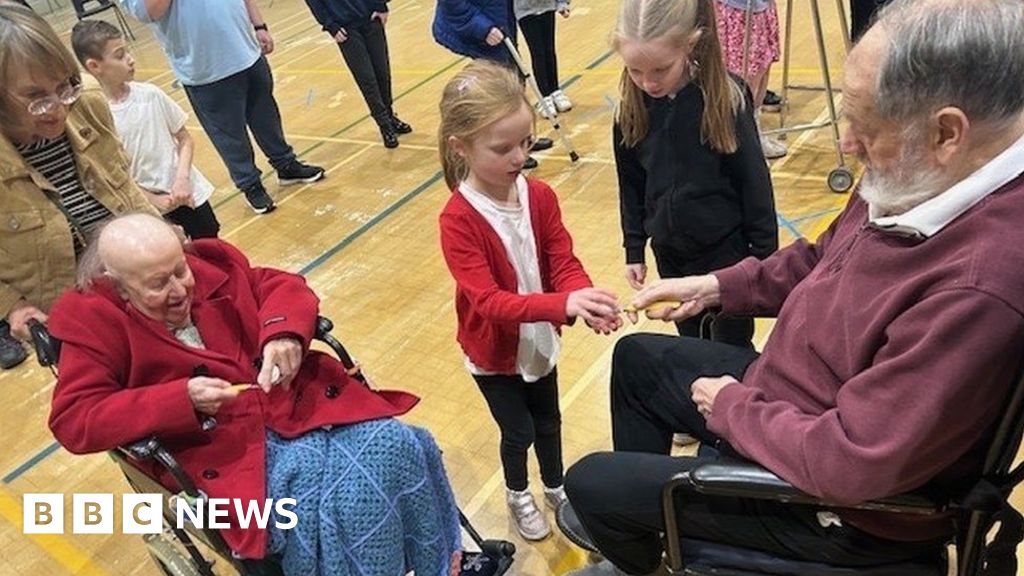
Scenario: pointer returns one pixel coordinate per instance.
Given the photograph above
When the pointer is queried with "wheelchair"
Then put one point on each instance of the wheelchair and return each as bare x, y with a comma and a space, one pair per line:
175, 550
976, 512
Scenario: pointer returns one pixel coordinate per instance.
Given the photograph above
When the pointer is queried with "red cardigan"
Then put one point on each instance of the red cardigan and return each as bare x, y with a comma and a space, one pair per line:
123, 378
487, 301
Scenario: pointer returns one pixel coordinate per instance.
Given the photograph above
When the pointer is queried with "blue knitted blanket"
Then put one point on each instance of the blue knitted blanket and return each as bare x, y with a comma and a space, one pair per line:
372, 500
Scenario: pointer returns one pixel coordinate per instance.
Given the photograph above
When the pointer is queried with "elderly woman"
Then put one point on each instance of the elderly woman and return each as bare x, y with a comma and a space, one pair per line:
62, 170
154, 339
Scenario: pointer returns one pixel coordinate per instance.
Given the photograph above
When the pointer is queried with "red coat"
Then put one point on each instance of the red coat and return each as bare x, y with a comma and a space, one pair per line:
487, 301
123, 377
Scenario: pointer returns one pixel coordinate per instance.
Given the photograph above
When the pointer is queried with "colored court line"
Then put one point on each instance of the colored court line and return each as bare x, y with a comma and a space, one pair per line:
72, 558
28, 464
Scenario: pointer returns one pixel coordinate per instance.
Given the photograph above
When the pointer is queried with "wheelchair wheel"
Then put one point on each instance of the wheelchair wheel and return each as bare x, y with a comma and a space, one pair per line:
167, 556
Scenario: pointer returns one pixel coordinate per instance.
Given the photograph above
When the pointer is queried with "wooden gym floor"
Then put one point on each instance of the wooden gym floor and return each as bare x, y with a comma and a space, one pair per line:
366, 238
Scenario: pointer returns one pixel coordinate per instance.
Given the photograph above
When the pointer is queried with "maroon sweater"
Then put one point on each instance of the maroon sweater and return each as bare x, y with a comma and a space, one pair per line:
891, 360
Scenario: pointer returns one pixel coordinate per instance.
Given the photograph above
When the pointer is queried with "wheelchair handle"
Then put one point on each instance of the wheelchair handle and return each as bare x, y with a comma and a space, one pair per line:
47, 347
323, 333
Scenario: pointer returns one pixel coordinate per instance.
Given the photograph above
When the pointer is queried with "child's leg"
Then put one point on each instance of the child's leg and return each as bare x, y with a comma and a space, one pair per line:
357, 56
539, 31
542, 399
377, 48
506, 399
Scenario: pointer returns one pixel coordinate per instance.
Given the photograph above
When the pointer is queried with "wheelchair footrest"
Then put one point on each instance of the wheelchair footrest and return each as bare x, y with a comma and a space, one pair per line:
483, 564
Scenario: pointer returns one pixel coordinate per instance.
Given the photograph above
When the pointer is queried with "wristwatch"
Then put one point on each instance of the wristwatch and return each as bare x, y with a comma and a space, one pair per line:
261, 27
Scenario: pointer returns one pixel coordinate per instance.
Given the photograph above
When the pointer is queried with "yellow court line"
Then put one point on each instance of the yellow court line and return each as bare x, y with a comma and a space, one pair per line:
294, 194
72, 558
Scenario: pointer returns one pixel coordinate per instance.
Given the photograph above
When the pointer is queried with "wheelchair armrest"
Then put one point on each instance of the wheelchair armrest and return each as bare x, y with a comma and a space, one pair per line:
742, 479
323, 334
151, 449
47, 347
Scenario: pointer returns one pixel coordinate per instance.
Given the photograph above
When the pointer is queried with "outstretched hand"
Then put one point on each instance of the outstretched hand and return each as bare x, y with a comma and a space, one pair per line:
693, 294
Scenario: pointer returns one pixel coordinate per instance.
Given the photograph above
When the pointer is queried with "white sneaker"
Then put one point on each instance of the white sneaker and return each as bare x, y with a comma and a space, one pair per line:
529, 521
554, 497
546, 108
561, 101
773, 148
683, 439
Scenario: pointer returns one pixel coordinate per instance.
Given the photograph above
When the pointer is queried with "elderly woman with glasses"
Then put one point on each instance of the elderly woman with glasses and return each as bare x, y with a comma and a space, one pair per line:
62, 171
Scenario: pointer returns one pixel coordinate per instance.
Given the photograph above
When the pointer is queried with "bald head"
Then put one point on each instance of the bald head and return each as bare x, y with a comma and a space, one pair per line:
130, 245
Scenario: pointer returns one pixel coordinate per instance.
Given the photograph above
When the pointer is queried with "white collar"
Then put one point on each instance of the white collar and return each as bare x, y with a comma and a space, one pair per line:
930, 217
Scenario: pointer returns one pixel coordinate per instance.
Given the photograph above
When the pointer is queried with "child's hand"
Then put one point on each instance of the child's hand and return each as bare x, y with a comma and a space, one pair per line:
635, 275
340, 36
593, 305
494, 37
382, 16
606, 325
162, 202
181, 193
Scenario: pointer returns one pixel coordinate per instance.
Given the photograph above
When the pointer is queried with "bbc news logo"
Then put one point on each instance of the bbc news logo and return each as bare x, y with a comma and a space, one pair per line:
144, 513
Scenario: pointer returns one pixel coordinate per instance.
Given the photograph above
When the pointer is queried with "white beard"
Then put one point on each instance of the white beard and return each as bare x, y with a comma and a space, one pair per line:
910, 183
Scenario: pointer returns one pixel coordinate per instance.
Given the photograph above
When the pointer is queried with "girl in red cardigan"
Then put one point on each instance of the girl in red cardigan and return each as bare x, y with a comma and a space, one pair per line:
516, 277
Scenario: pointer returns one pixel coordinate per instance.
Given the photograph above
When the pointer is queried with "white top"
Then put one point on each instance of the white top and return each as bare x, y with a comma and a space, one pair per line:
538, 341
147, 121
928, 218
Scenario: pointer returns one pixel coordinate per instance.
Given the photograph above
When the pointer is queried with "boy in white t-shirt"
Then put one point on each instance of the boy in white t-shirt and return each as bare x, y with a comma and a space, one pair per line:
152, 129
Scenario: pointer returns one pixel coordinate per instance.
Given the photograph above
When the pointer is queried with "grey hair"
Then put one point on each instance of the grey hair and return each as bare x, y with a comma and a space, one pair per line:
90, 265
963, 53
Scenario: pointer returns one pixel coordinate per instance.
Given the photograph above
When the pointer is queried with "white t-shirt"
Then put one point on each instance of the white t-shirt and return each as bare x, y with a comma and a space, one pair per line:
147, 121
538, 341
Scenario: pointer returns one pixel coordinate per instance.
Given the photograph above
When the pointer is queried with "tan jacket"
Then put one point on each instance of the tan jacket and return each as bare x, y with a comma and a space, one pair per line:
37, 255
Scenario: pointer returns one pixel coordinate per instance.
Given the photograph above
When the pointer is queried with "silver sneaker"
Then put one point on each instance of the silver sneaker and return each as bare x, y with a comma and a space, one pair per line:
773, 148
561, 101
546, 108
529, 521
554, 497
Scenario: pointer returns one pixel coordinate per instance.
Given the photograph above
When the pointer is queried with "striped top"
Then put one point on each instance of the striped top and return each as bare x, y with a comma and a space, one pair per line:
55, 160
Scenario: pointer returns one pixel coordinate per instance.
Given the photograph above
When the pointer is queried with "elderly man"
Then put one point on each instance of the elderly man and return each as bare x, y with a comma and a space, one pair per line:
217, 52
899, 332
156, 342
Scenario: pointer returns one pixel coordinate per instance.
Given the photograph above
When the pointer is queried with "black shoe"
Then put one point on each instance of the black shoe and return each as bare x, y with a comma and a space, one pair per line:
258, 199
299, 173
530, 163
387, 133
772, 102
541, 144
399, 126
12, 352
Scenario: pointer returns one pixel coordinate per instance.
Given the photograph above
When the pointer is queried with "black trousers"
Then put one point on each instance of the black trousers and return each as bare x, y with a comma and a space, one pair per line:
539, 30
366, 54
617, 495
527, 413
861, 13
198, 222
674, 264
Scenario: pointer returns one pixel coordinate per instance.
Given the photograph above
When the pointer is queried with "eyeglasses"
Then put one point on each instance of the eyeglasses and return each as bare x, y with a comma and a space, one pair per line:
66, 95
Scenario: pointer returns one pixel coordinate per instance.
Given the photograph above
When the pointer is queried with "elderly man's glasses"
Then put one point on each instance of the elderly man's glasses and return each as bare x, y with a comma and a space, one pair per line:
66, 95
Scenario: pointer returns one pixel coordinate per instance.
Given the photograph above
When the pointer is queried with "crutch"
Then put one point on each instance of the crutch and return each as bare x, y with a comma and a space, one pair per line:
532, 82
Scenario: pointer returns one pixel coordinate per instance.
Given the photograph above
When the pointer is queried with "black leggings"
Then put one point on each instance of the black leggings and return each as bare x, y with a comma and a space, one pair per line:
366, 54
539, 31
526, 413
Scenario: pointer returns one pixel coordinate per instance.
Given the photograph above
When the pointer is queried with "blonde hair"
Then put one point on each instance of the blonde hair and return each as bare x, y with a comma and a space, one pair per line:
479, 95
28, 43
677, 21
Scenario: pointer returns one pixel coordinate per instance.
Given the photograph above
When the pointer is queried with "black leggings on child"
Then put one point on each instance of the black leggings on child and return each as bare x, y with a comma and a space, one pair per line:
539, 31
527, 413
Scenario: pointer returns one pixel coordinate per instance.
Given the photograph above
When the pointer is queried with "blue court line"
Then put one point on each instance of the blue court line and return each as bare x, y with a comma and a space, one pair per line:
331, 252
815, 215
319, 260
788, 225
39, 457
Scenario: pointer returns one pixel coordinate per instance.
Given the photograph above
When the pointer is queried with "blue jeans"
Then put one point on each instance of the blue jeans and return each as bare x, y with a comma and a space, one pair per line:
226, 107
